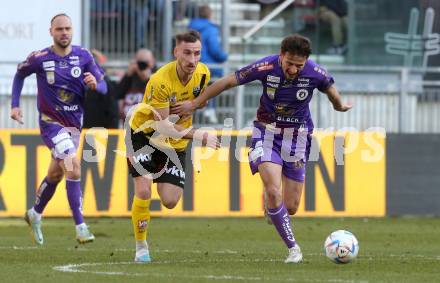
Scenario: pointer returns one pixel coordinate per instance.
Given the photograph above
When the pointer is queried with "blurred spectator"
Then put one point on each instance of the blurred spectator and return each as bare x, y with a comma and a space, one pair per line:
184, 9
101, 109
334, 12
212, 52
130, 89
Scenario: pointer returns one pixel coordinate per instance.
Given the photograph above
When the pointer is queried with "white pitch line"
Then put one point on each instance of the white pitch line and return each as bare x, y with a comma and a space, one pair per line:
76, 268
18, 248
183, 251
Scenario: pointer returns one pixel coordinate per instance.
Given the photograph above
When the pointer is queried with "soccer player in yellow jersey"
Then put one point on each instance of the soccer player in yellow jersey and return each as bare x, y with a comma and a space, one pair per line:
156, 142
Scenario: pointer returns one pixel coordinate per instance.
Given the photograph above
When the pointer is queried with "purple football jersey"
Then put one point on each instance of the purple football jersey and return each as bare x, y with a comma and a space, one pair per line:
285, 102
60, 84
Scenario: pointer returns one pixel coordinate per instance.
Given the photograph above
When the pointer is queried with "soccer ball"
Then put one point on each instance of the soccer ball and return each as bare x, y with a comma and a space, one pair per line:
341, 246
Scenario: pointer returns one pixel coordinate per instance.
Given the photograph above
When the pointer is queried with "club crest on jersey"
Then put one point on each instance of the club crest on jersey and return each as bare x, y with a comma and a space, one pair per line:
173, 98
75, 72
302, 94
50, 77
196, 90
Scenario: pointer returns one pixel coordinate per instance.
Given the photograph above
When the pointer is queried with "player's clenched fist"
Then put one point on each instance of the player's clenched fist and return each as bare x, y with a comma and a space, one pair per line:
17, 115
90, 80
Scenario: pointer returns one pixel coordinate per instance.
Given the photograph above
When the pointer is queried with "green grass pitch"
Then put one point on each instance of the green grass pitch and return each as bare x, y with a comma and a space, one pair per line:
221, 250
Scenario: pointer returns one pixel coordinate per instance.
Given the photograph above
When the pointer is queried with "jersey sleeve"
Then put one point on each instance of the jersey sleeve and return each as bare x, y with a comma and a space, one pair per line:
91, 66
252, 72
326, 80
157, 93
28, 66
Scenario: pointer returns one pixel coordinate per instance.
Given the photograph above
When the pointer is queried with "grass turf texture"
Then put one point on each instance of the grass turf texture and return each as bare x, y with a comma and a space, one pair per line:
221, 250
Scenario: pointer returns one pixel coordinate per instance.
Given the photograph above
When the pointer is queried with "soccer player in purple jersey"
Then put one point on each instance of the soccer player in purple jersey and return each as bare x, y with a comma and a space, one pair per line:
281, 135
63, 71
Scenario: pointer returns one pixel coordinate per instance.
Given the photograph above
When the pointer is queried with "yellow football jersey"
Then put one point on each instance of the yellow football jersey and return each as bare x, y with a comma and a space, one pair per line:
165, 89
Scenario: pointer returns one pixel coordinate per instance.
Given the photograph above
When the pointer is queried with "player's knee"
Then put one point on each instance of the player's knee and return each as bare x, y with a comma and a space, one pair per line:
72, 167
292, 208
73, 175
273, 193
55, 177
170, 203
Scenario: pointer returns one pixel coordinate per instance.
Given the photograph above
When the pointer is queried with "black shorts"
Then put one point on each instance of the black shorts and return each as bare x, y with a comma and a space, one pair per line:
150, 159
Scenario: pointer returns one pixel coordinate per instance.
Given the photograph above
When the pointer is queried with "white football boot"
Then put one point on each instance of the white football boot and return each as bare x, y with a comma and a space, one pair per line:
34, 223
295, 255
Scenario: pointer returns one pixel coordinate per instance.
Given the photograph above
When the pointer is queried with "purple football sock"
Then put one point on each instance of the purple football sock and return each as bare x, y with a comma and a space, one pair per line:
73, 188
281, 219
44, 194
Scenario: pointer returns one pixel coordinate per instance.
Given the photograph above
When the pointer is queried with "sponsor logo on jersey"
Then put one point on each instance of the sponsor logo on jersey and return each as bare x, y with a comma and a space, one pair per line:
303, 82
273, 79
302, 94
48, 64
265, 68
63, 64
75, 72
65, 96
319, 70
302, 85
288, 119
50, 77
71, 107
270, 92
74, 63
284, 109
287, 84
74, 60
273, 85
244, 73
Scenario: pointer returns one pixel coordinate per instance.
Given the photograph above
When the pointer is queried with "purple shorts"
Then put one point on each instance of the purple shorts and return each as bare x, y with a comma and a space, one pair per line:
62, 141
288, 147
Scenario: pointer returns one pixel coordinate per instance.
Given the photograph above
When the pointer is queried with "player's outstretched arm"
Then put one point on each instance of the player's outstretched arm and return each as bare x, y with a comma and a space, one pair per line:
335, 98
17, 86
166, 125
211, 91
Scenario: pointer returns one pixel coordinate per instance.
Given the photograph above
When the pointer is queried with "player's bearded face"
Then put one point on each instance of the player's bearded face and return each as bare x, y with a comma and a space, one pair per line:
61, 31
188, 55
292, 65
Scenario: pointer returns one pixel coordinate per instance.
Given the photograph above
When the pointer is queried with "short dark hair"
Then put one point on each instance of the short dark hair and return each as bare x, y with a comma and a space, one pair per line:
296, 44
189, 36
58, 15
205, 12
